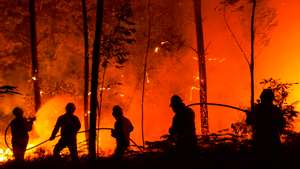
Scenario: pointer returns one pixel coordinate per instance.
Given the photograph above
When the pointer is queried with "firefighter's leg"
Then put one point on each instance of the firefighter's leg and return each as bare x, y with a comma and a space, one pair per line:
73, 150
58, 147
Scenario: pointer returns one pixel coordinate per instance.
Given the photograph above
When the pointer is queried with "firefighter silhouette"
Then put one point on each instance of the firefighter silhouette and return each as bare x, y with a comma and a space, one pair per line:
69, 125
121, 131
183, 129
267, 123
20, 126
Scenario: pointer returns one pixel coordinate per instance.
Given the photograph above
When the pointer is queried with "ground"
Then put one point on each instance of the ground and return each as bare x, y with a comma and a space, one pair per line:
217, 159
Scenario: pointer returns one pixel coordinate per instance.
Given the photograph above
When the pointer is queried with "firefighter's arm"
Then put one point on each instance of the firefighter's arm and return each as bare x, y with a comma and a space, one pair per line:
113, 133
55, 130
30, 123
172, 129
114, 130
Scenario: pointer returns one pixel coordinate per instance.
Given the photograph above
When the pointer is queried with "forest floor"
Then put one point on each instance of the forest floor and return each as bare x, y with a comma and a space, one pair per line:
217, 152
210, 160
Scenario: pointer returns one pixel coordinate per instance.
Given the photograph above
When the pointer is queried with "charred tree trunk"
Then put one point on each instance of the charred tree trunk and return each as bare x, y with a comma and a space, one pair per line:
34, 59
100, 105
202, 67
252, 53
145, 69
94, 81
86, 66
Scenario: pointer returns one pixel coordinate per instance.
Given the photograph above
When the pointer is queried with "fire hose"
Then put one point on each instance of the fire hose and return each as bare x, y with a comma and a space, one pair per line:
43, 142
221, 105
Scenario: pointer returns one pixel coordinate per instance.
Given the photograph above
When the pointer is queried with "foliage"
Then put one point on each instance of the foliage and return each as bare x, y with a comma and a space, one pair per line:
167, 34
165, 145
282, 91
240, 129
58, 22
14, 35
265, 20
114, 43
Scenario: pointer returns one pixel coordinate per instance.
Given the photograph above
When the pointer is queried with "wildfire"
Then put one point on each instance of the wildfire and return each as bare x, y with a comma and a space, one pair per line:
46, 118
33, 78
147, 78
156, 49
193, 88
5, 154
227, 83
104, 88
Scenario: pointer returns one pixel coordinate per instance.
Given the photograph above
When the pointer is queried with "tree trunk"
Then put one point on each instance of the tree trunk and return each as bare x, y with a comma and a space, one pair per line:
145, 68
100, 105
86, 66
34, 59
202, 67
252, 53
94, 81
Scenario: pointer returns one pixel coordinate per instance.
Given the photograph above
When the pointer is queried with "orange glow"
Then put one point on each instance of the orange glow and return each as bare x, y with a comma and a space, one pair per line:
5, 154
228, 76
46, 118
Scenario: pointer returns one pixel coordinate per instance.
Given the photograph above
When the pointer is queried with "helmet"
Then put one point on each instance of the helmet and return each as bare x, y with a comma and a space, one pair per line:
70, 108
117, 111
267, 94
18, 112
175, 100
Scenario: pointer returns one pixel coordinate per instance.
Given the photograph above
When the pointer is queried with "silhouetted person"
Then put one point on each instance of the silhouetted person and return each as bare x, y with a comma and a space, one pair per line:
70, 125
267, 123
121, 131
183, 127
20, 126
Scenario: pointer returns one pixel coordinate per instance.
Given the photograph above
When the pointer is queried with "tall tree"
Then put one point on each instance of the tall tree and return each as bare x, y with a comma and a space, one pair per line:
262, 16
252, 53
86, 65
94, 80
202, 67
34, 59
145, 67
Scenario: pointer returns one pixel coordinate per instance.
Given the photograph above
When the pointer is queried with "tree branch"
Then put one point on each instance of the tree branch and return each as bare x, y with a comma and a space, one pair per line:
234, 36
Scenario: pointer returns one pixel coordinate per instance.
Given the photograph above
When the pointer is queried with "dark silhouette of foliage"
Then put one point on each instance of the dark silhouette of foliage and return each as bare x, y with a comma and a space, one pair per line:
282, 91
115, 42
